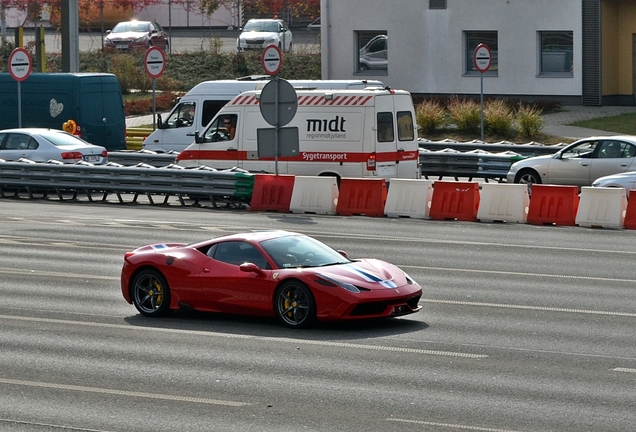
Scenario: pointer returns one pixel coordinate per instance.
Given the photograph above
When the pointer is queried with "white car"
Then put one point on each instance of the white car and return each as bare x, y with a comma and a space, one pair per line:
259, 33
580, 163
42, 145
626, 180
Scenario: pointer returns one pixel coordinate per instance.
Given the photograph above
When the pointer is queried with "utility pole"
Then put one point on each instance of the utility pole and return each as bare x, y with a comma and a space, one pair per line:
70, 36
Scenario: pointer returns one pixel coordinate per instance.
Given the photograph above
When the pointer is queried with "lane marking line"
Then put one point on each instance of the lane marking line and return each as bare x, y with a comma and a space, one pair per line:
534, 308
252, 337
121, 392
450, 425
509, 273
624, 370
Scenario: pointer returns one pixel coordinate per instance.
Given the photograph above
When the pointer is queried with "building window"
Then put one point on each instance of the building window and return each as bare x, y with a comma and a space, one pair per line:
437, 4
556, 53
371, 48
472, 40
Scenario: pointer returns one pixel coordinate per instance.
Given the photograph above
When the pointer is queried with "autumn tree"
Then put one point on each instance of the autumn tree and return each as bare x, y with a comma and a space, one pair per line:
296, 7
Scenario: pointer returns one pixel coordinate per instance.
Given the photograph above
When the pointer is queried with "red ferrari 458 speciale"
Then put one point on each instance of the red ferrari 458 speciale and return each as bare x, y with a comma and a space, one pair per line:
268, 273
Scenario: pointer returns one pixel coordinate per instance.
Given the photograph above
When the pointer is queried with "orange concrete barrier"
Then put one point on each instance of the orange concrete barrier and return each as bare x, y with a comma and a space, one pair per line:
455, 201
630, 214
553, 204
272, 192
361, 197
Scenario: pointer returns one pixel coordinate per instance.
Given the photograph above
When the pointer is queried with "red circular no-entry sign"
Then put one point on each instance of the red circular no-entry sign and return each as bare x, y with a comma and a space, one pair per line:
155, 62
482, 58
20, 64
272, 59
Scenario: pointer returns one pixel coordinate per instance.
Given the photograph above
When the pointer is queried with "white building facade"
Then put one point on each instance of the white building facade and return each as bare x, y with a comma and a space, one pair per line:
540, 48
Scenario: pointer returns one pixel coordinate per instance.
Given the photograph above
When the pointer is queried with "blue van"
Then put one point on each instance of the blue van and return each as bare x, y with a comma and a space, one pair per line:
92, 100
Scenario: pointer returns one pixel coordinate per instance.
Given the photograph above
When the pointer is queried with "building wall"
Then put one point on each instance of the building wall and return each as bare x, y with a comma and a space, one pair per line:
426, 47
626, 28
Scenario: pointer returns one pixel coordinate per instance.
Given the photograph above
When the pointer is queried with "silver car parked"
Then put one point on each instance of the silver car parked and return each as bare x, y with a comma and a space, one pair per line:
42, 145
578, 164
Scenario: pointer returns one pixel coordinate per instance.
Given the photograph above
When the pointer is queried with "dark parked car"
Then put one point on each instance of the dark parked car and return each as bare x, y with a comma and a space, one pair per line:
136, 34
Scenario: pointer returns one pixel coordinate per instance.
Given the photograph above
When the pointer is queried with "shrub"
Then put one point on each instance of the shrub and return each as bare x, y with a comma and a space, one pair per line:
529, 121
498, 118
430, 116
466, 114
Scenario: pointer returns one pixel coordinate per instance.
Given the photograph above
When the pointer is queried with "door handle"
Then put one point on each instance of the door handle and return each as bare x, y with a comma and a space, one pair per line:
205, 270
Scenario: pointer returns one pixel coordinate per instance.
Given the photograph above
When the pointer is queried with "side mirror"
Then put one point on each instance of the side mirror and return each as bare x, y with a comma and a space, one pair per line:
160, 124
343, 253
249, 267
197, 137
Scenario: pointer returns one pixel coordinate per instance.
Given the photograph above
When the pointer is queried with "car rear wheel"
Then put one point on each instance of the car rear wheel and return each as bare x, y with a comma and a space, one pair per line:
295, 305
151, 294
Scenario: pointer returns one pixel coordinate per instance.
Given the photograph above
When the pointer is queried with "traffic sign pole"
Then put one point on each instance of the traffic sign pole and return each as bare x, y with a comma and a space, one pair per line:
155, 65
482, 59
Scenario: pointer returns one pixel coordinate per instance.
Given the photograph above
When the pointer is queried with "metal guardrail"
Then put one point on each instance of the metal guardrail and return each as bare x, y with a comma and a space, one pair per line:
130, 158
232, 187
476, 159
529, 149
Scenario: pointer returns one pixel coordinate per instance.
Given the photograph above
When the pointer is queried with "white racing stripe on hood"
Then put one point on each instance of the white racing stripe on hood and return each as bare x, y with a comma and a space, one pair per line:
369, 277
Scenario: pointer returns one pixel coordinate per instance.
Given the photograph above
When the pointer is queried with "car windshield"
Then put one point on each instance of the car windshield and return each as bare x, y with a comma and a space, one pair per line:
301, 251
130, 27
62, 139
261, 26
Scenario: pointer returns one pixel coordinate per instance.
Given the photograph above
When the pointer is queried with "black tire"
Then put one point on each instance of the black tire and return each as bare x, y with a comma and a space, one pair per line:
528, 177
295, 305
151, 294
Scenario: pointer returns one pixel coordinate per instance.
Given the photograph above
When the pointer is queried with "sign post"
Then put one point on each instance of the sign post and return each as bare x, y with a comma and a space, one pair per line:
278, 105
482, 58
20, 66
155, 65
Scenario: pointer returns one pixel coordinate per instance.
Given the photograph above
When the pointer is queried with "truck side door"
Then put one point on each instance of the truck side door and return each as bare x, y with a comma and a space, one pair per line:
386, 141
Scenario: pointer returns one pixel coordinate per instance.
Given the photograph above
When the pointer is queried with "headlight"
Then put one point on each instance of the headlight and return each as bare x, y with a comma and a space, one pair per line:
328, 281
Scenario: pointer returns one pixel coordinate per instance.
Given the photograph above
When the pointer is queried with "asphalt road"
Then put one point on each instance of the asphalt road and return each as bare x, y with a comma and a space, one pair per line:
523, 328
182, 40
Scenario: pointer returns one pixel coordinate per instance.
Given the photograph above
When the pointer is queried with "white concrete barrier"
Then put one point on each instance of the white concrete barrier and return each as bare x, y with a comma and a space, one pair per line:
317, 195
601, 207
503, 202
409, 198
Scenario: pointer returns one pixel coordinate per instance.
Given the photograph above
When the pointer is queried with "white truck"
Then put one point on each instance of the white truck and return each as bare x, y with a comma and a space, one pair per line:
197, 107
344, 133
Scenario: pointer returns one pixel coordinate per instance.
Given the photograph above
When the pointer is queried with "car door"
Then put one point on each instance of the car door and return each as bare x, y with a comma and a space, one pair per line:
572, 166
225, 287
613, 157
14, 146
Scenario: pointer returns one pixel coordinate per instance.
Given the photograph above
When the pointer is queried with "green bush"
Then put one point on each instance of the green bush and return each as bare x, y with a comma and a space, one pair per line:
430, 116
498, 118
466, 114
529, 121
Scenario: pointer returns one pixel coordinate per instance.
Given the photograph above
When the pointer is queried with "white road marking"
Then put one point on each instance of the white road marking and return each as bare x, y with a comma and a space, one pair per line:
509, 273
48, 425
624, 370
250, 337
450, 425
27, 272
535, 308
121, 392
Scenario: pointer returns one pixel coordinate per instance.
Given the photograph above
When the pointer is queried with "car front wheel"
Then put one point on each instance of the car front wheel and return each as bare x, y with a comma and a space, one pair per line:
151, 294
295, 305
528, 177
